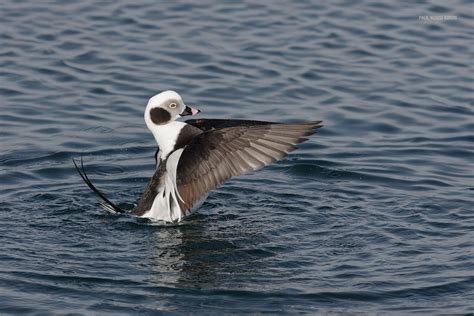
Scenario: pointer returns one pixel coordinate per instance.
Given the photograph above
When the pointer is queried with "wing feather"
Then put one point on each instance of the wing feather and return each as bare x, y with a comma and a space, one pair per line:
218, 154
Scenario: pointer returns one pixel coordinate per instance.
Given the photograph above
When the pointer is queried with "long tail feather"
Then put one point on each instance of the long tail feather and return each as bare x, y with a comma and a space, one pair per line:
104, 202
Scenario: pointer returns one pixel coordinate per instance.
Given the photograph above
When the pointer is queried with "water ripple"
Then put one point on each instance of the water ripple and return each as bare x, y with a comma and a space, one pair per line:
371, 215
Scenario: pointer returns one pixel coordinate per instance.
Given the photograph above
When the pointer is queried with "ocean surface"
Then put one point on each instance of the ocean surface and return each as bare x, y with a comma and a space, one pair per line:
373, 215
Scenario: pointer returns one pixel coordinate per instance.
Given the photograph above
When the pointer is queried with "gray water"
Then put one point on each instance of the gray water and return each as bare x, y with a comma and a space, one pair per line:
373, 215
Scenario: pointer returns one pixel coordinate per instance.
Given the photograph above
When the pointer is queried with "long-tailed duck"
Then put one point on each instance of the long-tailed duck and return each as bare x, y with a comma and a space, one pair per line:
197, 156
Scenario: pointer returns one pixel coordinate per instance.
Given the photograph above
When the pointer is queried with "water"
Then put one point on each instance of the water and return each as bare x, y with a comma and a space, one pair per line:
372, 215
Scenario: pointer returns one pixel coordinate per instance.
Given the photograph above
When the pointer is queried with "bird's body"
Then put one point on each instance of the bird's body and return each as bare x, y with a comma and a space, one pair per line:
197, 156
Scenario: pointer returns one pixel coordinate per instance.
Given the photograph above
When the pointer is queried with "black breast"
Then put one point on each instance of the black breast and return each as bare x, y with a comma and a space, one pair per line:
188, 132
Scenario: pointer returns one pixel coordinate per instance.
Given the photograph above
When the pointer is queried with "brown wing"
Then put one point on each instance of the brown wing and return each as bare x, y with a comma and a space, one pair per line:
213, 157
210, 124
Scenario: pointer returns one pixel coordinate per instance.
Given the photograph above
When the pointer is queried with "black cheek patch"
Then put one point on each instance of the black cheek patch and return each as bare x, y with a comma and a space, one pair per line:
159, 116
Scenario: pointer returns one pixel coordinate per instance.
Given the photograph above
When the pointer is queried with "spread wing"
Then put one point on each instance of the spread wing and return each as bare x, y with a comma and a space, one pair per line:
216, 155
210, 124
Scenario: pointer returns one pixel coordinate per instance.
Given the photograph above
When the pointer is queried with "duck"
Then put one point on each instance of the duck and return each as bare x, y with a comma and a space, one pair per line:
196, 156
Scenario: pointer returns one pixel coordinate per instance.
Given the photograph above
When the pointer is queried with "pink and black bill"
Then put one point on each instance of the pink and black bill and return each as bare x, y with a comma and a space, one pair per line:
189, 111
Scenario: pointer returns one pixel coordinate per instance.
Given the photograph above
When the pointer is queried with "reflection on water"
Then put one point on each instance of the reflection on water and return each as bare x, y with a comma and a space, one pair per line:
196, 255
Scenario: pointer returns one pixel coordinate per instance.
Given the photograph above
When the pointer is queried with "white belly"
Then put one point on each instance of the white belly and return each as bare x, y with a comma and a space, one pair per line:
165, 207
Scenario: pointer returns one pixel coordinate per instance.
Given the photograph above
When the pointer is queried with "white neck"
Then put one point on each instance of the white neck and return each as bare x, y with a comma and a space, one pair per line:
166, 136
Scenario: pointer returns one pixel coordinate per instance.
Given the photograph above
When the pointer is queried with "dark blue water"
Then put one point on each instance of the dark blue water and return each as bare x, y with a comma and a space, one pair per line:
373, 215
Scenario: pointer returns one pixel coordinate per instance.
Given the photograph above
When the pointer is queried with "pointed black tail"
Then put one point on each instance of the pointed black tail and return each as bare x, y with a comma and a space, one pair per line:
104, 202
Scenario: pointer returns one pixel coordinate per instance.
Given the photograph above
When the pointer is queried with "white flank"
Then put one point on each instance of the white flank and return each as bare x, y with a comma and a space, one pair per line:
161, 208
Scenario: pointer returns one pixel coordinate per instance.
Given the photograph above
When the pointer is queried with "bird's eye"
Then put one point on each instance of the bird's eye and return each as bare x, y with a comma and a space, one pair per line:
172, 105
